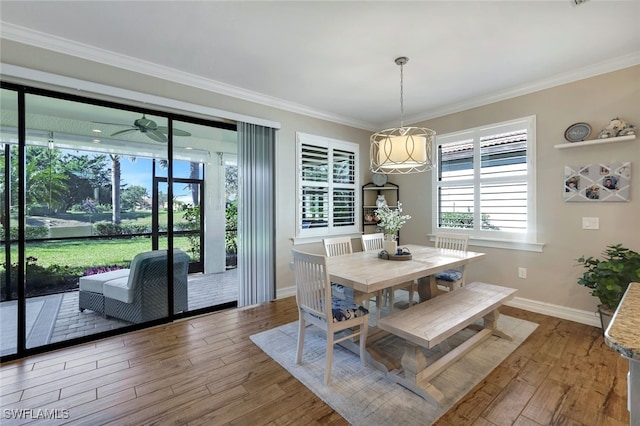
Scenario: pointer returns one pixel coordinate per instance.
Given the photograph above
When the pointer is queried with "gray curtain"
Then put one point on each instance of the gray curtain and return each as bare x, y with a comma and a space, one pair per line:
256, 214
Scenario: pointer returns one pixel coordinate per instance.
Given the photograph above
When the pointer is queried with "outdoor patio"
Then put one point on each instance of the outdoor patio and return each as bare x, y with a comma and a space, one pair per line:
50, 325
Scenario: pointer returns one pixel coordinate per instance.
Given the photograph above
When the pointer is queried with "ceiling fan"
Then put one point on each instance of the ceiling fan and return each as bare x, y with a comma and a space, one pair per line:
149, 128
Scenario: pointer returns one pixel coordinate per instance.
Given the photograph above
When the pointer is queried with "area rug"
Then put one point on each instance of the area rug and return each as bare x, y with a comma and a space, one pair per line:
365, 396
41, 314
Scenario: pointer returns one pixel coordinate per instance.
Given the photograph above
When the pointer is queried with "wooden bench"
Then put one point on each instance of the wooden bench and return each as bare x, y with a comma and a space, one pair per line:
430, 323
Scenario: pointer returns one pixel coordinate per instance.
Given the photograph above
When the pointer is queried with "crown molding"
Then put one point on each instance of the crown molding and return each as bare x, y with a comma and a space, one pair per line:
68, 47
592, 70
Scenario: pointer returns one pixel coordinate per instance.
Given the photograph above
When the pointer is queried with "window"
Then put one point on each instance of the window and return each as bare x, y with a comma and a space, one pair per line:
327, 183
484, 182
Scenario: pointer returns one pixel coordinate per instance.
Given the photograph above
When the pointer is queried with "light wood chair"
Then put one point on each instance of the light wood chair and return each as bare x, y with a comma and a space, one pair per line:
338, 246
371, 242
451, 279
317, 307
375, 242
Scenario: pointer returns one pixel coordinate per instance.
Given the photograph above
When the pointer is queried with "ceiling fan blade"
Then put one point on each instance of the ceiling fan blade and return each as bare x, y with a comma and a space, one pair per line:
176, 132
124, 132
156, 135
112, 124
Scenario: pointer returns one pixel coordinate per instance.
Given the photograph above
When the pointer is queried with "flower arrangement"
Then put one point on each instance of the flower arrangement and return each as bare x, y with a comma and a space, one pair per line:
391, 220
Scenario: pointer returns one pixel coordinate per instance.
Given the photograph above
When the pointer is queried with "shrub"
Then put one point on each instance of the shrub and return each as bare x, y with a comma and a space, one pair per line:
192, 218
30, 232
107, 228
41, 280
463, 220
101, 208
101, 269
231, 236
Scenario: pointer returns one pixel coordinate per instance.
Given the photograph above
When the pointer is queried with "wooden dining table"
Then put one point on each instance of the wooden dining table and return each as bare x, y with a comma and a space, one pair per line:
366, 272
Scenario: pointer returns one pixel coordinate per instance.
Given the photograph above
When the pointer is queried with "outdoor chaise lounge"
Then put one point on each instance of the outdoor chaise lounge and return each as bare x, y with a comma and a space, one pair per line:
137, 294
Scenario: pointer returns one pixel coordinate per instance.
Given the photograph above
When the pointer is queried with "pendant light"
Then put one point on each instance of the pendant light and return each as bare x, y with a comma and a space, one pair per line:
402, 150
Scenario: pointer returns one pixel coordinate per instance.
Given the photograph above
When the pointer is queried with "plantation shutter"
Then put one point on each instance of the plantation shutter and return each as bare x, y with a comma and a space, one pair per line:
327, 182
484, 181
344, 193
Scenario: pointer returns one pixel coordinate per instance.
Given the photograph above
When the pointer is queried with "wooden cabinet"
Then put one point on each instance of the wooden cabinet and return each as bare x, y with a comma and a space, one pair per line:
370, 193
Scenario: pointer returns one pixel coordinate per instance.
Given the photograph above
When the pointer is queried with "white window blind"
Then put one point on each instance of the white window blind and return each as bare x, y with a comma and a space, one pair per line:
485, 181
327, 183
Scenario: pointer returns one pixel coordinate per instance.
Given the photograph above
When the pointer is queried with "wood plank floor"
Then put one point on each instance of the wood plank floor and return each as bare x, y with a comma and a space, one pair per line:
206, 371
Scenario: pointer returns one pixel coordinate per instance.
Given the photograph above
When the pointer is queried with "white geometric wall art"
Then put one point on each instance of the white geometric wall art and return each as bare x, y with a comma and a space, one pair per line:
598, 182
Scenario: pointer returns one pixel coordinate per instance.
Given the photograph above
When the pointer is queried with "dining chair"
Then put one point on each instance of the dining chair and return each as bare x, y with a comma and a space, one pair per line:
451, 278
375, 242
338, 246
317, 307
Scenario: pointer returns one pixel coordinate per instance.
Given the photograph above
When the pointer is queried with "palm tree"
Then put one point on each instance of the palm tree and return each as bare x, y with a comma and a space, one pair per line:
115, 188
45, 183
194, 168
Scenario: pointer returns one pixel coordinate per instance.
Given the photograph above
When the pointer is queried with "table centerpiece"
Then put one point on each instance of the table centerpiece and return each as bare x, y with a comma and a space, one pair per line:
391, 221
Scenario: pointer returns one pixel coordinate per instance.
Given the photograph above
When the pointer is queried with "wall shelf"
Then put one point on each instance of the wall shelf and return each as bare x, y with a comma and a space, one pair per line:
595, 142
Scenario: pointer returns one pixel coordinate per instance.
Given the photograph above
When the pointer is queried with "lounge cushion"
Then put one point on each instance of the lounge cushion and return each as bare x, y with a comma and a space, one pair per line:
118, 289
93, 283
450, 275
343, 310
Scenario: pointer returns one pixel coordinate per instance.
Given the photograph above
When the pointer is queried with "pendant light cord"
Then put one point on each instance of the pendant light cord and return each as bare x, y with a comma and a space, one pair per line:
401, 94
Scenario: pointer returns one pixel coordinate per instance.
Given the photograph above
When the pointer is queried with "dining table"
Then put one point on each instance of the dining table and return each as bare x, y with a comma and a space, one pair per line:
366, 272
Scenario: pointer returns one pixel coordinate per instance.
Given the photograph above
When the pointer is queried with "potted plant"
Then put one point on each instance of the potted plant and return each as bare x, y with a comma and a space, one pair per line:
609, 277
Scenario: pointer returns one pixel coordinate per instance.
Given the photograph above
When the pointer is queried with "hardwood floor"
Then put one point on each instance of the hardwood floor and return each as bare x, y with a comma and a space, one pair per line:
206, 371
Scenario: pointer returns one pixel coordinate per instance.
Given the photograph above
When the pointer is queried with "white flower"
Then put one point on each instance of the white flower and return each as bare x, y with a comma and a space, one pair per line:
391, 220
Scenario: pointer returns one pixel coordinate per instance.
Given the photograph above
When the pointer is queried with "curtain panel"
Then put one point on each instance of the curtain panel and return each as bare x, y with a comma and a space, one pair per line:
256, 213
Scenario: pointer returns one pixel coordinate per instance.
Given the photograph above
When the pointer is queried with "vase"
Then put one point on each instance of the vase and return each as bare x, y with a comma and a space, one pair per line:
390, 243
381, 201
606, 314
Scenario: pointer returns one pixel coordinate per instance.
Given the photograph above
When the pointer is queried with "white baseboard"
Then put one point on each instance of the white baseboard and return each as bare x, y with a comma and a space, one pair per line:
281, 293
571, 314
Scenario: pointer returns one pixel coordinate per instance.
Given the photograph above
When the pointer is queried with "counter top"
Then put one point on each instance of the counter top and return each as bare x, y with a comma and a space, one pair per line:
623, 333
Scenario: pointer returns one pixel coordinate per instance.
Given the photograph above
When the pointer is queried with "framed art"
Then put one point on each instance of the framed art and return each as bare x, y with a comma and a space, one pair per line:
598, 182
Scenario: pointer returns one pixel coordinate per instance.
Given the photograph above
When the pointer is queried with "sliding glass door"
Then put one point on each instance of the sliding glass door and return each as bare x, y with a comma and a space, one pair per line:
9, 335
92, 195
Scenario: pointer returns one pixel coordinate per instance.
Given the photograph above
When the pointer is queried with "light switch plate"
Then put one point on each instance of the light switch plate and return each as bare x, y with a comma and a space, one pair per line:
590, 223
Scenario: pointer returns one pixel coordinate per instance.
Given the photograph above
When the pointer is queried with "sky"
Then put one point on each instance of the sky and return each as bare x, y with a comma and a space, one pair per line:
139, 173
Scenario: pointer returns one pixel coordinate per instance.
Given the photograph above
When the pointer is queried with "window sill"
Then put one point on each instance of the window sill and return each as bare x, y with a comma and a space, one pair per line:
501, 244
318, 238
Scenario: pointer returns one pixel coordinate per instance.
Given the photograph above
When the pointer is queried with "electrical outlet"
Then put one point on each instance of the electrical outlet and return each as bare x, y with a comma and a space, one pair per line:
522, 273
590, 223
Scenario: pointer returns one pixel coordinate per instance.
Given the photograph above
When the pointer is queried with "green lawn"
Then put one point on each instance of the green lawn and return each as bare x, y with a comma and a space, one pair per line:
55, 266
142, 217
91, 253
